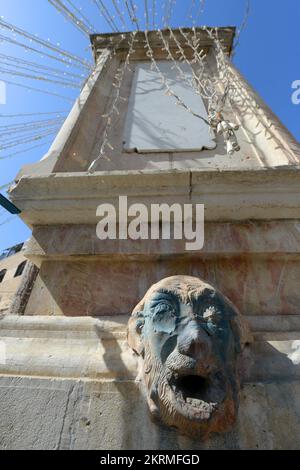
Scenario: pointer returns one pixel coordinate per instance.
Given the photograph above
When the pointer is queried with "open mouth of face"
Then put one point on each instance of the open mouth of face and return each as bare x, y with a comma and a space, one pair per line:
196, 397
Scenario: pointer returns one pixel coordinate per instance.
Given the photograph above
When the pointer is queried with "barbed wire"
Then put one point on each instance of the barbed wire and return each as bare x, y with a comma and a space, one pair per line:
154, 13
5, 186
202, 87
32, 114
28, 139
175, 62
169, 11
79, 11
146, 14
27, 126
64, 83
169, 91
200, 11
131, 14
26, 150
119, 13
9, 137
71, 16
47, 44
134, 8
215, 89
9, 219
46, 92
190, 11
67, 62
242, 27
106, 15
40, 67
119, 77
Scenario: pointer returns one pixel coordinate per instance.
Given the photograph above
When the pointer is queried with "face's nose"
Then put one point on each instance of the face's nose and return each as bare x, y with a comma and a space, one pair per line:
193, 341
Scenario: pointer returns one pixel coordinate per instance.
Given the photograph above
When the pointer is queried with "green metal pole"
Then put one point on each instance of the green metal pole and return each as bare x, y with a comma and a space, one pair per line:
8, 205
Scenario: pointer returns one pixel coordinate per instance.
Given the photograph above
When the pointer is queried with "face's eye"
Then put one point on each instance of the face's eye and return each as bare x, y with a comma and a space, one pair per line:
212, 315
139, 326
164, 316
162, 308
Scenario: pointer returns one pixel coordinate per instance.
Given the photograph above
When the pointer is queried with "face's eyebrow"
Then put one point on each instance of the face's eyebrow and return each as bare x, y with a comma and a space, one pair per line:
211, 299
164, 294
204, 295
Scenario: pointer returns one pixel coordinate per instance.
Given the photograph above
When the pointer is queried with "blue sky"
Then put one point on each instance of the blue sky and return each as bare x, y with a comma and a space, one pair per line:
268, 57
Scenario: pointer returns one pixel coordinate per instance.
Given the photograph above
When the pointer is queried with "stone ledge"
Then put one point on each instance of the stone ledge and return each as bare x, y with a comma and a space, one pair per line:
72, 198
115, 326
106, 327
121, 40
93, 348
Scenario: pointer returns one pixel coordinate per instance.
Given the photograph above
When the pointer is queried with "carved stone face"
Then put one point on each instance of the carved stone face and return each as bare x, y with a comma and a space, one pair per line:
188, 336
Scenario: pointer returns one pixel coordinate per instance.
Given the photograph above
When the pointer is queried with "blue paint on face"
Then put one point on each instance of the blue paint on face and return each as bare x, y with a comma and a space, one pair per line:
166, 316
162, 312
189, 340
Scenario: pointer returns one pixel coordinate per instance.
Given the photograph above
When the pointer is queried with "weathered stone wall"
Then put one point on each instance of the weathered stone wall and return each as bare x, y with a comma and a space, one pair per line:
109, 415
77, 288
70, 384
255, 264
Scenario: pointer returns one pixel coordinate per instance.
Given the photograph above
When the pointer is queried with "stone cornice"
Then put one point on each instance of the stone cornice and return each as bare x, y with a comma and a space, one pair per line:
121, 40
72, 198
79, 348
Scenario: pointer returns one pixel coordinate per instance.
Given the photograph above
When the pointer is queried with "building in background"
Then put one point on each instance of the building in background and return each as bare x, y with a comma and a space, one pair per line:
12, 266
